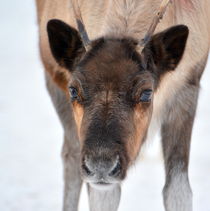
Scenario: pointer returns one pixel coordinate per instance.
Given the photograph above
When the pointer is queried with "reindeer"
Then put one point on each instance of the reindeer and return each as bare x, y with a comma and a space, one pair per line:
111, 90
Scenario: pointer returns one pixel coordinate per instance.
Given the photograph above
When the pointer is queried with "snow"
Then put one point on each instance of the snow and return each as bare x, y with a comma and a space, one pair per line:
31, 135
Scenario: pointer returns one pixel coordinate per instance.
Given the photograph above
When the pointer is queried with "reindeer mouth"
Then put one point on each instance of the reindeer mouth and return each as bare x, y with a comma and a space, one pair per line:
102, 185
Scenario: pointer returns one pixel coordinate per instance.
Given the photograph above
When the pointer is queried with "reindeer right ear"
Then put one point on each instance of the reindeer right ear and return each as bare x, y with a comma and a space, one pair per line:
65, 43
165, 50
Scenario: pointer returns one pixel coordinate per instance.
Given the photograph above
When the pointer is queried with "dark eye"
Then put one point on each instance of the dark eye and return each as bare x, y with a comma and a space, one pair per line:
146, 95
73, 93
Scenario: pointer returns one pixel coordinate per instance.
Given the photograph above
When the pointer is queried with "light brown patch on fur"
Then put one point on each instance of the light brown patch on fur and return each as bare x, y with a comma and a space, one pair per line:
141, 118
61, 78
78, 116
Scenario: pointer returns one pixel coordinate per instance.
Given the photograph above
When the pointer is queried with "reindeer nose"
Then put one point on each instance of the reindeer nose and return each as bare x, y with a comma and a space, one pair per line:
101, 168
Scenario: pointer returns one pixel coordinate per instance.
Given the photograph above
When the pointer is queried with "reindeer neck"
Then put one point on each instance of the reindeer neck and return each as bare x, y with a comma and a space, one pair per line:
130, 18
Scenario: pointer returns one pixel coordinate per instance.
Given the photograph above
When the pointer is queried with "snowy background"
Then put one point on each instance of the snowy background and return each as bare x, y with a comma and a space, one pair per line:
31, 135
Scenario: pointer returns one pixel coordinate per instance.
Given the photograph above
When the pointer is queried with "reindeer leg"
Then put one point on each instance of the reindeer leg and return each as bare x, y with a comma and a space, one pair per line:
71, 148
104, 200
72, 178
176, 136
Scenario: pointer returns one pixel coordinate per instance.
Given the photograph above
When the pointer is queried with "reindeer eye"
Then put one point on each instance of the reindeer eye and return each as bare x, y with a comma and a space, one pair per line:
146, 95
73, 93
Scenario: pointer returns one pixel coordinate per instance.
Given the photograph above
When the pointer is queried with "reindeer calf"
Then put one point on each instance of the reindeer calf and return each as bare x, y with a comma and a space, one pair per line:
109, 94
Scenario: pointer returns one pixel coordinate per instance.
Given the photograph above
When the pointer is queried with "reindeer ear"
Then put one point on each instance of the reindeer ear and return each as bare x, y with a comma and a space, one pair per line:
165, 50
65, 43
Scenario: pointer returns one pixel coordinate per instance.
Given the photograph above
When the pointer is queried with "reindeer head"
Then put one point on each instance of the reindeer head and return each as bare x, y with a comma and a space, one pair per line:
111, 90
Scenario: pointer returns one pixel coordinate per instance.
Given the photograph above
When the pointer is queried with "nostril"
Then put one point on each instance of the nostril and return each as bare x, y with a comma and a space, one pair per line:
116, 169
86, 169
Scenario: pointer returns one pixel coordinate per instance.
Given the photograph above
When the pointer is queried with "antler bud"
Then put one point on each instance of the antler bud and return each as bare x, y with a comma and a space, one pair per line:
80, 24
155, 22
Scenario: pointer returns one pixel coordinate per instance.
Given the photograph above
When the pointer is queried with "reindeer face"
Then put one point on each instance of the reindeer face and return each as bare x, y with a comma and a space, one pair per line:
112, 103
111, 90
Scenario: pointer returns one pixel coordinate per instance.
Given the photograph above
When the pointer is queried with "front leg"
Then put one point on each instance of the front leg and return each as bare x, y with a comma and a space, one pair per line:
176, 136
105, 199
72, 178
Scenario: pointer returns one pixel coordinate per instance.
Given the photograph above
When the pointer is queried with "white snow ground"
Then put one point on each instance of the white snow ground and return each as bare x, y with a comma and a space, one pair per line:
31, 135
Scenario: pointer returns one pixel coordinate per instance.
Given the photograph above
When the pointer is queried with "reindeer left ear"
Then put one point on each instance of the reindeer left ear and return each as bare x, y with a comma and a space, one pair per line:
165, 50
